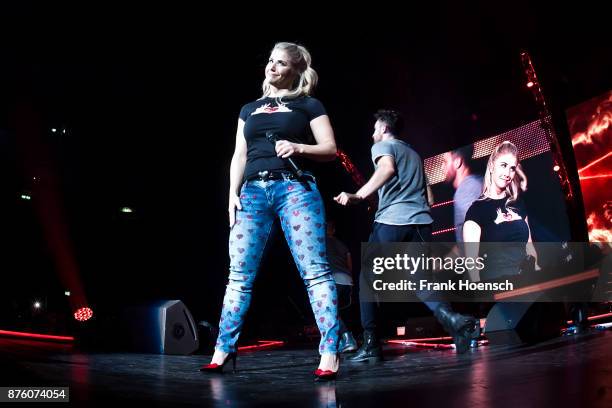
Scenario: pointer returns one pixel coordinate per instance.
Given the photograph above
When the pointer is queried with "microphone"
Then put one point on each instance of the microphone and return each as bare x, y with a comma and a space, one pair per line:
273, 138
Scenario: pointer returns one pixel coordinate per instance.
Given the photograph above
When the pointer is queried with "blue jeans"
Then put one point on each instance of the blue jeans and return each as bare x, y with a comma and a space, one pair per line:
302, 215
393, 233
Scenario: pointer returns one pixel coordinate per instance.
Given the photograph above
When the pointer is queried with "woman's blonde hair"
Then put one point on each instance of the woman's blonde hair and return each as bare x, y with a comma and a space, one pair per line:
518, 183
300, 60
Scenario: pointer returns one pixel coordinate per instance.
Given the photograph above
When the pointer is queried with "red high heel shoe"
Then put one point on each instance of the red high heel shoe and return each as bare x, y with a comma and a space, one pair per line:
218, 368
325, 375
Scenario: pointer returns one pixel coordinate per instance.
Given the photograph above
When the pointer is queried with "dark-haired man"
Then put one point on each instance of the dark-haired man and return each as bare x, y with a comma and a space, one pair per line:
403, 215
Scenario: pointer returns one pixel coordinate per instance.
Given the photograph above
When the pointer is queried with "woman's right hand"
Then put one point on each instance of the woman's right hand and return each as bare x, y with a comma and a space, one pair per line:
234, 204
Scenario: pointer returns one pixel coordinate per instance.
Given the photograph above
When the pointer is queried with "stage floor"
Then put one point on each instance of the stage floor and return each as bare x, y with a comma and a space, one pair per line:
567, 371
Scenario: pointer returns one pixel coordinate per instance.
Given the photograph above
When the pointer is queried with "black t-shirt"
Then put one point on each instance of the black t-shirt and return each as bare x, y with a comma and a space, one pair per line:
290, 120
500, 223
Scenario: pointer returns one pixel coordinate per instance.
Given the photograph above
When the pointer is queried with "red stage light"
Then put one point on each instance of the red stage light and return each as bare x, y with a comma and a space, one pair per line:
442, 203
34, 336
556, 168
421, 340
262, 344
529, 84
350, 168
594, 162
596, 177
83, 314
443, 231
422, 344
596, 317
554, 283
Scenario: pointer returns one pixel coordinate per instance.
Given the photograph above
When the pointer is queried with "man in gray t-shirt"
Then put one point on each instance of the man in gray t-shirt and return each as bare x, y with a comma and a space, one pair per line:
468, 187
399, 177
402, 199
403, 216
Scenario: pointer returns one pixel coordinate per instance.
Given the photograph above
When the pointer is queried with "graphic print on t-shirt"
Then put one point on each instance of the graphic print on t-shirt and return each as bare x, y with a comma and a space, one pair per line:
507, 216
289, 119
266, 108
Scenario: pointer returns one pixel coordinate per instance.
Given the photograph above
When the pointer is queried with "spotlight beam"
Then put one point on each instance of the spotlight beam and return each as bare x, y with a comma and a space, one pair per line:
594, 162
595, 177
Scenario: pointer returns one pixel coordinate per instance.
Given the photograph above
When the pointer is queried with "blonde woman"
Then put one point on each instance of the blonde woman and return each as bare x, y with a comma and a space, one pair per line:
499, 215
264, 185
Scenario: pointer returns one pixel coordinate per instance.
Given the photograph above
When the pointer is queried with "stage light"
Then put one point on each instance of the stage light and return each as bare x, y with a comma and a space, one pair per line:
421, 344
594, 162
35, 336
350, 168
83, 314
556, 168
67, 293
444, 231
442, 203
26, 197
53, 130
263, 344
126, 210
599, 176
546, 123
530, 139
37, 305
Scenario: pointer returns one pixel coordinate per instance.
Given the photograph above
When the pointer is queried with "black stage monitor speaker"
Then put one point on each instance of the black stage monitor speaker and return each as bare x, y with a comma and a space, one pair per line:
523, 322
164, 327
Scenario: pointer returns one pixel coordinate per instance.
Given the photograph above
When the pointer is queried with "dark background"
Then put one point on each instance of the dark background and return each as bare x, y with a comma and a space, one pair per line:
149, 99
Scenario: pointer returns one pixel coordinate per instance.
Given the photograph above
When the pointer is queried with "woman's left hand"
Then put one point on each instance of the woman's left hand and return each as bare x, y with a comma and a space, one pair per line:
286, 149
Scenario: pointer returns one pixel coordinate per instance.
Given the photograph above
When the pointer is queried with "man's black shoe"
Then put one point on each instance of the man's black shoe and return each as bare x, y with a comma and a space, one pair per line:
370, 350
